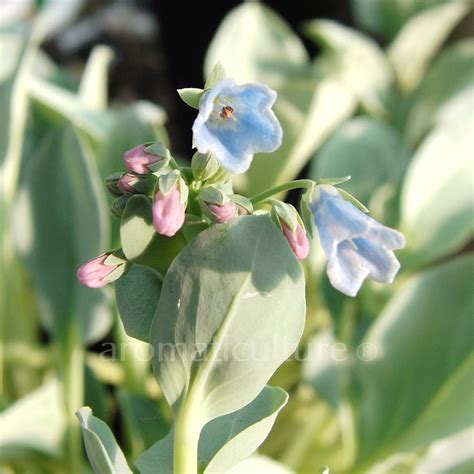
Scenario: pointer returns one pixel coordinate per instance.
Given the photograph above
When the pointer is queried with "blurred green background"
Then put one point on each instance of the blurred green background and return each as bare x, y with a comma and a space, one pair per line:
382, 90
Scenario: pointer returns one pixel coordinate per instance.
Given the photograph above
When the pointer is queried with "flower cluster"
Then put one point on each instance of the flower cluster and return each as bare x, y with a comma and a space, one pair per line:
233, 123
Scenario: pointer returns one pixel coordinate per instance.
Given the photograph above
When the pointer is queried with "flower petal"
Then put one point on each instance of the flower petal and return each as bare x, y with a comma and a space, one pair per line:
346, 270
382, 264
251, 126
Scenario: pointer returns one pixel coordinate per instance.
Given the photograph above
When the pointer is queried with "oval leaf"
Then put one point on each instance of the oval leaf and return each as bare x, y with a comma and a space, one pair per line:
103, 451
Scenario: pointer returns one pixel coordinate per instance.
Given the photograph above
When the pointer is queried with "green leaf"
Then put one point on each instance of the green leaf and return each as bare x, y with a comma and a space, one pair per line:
137, 294
260, 464
450, 78
140, 241
94, 82
64, 104
416, 386
368, 150
33, 423
225, 441
253, 44
60, 222
143, 419
449, 456
408, 55
386, 17
325, 367
437, 197
355, 61
308, 111
216, 75
13, 44
95, 393
243, 431
103, 451
191, 96
233, 312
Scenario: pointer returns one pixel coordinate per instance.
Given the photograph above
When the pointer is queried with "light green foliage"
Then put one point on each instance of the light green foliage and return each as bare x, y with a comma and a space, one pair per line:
449, 82
412, 370
253, 44
425, 331
387, 17
102, 450
368, 150
438, 193
409, 56
60, 221
34, 424
355, 61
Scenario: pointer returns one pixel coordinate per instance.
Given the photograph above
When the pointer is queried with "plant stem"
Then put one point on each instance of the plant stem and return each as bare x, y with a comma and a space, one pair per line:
296, 184
72, 354
186, 439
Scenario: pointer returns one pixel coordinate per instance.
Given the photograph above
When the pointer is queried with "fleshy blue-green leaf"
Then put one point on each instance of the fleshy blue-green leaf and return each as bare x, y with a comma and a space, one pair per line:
409, 56
137, 294
225, 441
231, 311
102, 449
140, 241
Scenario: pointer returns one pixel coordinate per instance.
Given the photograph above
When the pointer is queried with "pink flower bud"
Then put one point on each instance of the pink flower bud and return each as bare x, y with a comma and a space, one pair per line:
223, 212
168, 212
126, 182
94, 273
138, 160
298, 240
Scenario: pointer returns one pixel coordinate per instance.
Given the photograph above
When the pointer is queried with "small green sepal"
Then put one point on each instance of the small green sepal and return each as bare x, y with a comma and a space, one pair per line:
216, 75
349, 197
191, 96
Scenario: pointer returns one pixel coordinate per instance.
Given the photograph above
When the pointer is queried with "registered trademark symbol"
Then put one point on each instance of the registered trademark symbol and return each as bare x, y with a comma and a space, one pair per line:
367, 351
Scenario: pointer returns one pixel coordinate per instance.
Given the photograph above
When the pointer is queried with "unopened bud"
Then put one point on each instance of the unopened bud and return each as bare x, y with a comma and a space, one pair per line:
101, 270
126, 182
203, 166
138, 160
168, 212
221, 213
297, 239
